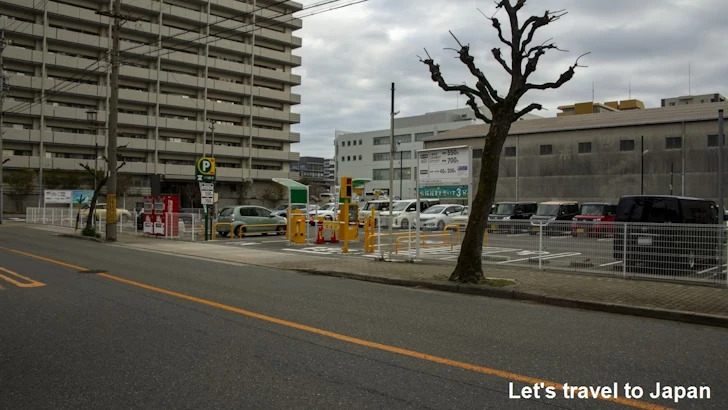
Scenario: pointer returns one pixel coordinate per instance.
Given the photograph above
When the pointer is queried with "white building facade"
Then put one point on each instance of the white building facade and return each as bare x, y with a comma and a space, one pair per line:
366, 154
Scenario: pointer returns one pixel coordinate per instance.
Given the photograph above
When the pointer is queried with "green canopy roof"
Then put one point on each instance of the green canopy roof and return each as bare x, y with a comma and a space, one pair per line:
290, 184
298, 193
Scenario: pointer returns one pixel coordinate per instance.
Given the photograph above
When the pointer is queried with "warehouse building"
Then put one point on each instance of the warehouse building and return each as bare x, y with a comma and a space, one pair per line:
602, 156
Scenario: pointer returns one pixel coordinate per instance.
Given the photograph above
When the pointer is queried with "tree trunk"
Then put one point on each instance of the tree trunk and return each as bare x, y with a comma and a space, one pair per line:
92, 206
469, 268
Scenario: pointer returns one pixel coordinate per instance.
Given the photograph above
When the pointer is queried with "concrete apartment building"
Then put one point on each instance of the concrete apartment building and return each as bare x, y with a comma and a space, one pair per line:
599, 156
366, 154
692, 99
330, 169
186, 65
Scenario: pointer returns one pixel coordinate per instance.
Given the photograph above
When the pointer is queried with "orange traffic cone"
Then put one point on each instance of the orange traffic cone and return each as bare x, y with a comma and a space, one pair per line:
333, 236
320, 236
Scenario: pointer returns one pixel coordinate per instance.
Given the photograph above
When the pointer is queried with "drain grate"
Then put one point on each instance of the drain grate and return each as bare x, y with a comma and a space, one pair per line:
92, 271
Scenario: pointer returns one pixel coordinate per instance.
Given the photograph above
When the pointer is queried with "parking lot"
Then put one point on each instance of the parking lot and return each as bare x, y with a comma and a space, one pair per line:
560, 251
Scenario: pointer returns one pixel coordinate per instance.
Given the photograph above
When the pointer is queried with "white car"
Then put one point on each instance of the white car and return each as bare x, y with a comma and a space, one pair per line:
328, 212
460, 219
438, 216
406, 218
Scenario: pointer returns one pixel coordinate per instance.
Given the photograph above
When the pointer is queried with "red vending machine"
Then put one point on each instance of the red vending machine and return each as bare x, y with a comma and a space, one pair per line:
148, 215
163, 209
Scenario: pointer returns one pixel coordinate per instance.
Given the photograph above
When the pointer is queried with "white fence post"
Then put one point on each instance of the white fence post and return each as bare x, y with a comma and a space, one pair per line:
540, 245
624, 251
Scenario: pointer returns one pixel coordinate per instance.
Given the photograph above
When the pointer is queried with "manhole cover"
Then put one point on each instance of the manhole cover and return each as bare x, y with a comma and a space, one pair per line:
91, 271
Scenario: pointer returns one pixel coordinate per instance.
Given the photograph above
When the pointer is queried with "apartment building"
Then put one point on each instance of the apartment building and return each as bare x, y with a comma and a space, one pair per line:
196, 78
602, 156
366, 154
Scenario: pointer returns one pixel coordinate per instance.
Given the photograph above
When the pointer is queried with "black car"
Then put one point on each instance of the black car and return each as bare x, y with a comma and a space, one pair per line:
511, 216
647, 224
552, 217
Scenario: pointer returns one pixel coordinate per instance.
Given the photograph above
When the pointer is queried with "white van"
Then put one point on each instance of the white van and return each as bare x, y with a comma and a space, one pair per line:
405, 211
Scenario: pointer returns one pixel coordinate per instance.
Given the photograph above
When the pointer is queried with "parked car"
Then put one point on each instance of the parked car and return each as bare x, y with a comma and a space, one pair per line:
652, 239
437, 217
328, 212
378, 205
247, 219
461, 219
403, 219
511, 216
550, 214
281, 210
122, 215
595, 219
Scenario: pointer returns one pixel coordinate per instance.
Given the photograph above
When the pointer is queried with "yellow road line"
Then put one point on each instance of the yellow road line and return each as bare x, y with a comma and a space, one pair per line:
361, 342
32, 284
68, 265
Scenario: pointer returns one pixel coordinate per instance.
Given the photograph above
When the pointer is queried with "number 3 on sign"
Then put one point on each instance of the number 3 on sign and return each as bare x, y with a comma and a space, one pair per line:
458, 192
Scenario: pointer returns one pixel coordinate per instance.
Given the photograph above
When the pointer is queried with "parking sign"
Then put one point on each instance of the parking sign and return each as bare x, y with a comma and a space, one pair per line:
205, 170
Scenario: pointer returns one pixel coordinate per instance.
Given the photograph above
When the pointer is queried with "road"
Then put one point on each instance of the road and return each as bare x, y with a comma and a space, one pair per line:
159, 331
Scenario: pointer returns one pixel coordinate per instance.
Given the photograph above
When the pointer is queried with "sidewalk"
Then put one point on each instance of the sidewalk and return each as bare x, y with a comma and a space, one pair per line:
690, 303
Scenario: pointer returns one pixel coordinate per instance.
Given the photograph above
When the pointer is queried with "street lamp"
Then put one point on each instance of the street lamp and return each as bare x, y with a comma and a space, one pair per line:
401, 195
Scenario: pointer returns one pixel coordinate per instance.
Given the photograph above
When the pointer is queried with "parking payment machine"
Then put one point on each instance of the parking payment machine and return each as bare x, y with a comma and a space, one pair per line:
148, 222
158, 211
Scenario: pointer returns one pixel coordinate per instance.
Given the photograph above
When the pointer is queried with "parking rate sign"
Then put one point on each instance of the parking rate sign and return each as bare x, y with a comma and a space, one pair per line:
205, 170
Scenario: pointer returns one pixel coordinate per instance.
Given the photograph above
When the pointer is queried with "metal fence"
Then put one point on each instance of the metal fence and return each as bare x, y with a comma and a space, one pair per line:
51, 216
673, 252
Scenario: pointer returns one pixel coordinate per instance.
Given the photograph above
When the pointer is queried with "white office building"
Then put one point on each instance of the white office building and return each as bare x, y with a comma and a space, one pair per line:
366, 154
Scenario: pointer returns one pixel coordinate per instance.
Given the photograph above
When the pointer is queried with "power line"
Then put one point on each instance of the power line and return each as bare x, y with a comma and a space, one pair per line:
68, 86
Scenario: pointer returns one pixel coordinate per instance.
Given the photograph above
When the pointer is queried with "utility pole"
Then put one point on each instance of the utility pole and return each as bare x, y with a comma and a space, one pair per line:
391, 171
4, 86
642, 165
212, 148
721, 163
118, 20
252, 98
672, 171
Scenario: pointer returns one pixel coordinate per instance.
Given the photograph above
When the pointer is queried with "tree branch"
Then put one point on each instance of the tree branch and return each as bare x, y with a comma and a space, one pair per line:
563, 78
471, 103
488, 94
532, 62
529, 108
120, 166
499, 57
537, 22
497, 26
463, 89
88, 169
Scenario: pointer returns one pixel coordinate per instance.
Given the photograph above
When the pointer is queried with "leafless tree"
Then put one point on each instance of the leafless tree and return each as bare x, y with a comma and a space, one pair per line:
102, 177
524, 59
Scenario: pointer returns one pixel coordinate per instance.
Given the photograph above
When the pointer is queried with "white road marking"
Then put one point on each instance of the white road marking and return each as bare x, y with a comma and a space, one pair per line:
708, 270
561, 237
605, 239
518, 234
610, 263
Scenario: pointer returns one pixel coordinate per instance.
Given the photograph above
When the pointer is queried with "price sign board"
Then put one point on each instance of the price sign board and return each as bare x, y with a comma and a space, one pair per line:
451, 166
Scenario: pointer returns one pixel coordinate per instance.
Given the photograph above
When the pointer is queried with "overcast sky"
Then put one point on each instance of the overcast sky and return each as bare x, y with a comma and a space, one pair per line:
351, 56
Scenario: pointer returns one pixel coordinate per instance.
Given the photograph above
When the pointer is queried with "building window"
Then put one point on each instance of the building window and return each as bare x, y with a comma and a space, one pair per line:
547, 149
626, 145
478, 153
381, 156
381, 141
343, 143
402, 139
355, 143
359, 157
403, 155
380, 174
713, 140
342, 159
672, 104
348, 143
584, 147
422, 135
673, 143
403, 173
348, 158
360, 143
509, 152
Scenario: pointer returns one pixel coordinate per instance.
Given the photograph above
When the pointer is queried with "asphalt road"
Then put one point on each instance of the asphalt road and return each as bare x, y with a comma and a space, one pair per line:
159, 331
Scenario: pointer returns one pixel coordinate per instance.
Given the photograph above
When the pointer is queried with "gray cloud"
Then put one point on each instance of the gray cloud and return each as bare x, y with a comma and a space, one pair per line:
352, 55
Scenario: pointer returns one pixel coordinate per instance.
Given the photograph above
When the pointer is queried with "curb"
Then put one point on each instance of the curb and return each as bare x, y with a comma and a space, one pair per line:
85, 238
654, 313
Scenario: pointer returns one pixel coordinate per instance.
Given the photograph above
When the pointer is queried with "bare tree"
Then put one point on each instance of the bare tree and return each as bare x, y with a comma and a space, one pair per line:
523, 63
102, 177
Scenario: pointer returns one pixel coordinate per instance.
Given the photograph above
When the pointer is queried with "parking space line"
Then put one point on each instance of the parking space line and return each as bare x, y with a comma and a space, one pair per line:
709, 269
605, 239
544, 257
610, 263
560, 237
518, 234
32, 283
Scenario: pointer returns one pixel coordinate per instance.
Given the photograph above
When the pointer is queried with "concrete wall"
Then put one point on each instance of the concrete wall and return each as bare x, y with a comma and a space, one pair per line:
606, 173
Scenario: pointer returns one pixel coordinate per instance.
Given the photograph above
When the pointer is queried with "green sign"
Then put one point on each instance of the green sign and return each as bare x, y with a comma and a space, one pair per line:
445, 192
205, 170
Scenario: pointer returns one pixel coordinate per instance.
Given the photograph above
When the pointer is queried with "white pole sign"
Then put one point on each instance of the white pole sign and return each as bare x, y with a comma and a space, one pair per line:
444, 172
